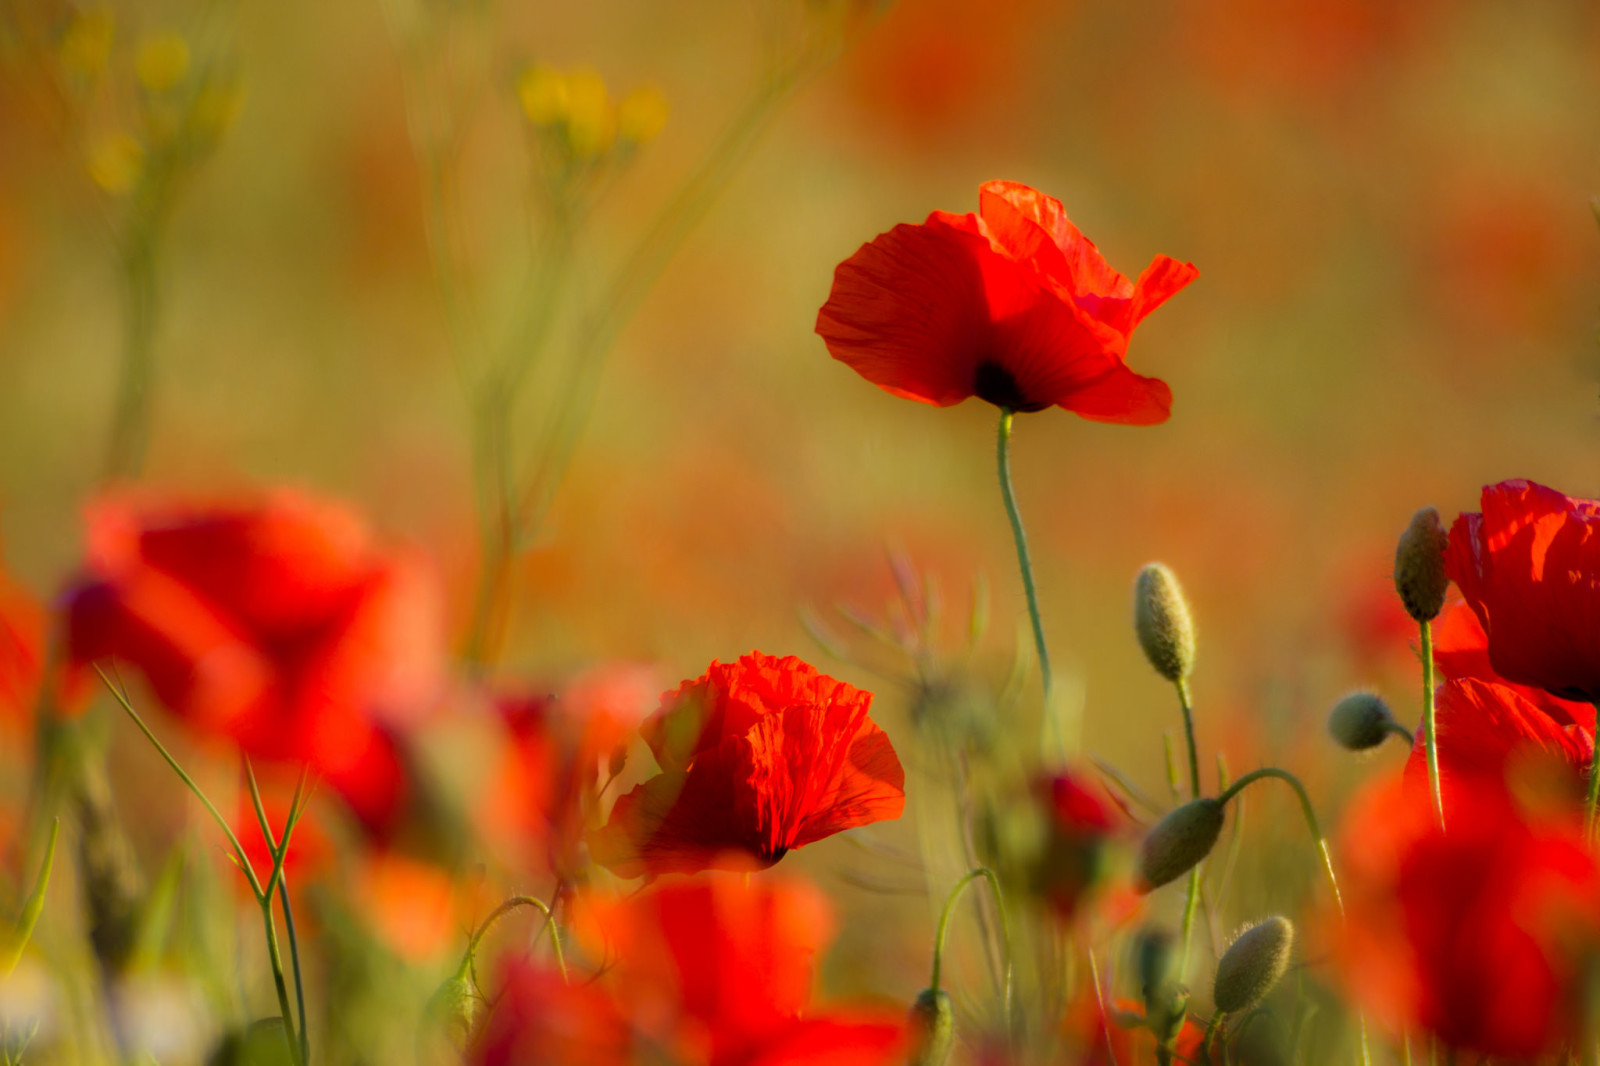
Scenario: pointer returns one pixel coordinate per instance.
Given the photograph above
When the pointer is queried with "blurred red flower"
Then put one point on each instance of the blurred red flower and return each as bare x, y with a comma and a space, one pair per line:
1012, 305
1461, 650
21, 651
1483, 729
540, 1018
1481, 933
721, 971
1529, 565
758, 757
1122, 1038
545, 789
274, 623
1082, 822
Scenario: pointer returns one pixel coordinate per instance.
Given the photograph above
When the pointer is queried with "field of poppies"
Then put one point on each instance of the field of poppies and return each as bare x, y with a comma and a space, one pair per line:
759, 532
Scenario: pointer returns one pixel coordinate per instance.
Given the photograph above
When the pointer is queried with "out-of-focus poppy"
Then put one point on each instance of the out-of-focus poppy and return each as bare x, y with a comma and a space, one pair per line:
275, 623
1119, 1035
1482, 730
1081, 824
1480, 933
721, 972
1461, 651
1529, 565
1012, 305
539, 1018
561, 751
759, 756
21, 651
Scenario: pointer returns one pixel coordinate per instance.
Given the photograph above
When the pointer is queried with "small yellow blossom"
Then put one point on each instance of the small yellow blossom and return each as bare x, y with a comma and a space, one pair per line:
162, 62
114, 162
216, 106
591, 123
641, 115
542, 92
86, 46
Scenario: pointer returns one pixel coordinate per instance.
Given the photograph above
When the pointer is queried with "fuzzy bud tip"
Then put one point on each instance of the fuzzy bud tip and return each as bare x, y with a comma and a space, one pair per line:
1162, 620
1360, 721
1255, 961
1179, 841
933, 1028
1419, 575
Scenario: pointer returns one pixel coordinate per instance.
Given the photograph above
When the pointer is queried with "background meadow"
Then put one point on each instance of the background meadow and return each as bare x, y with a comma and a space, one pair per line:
1390, 208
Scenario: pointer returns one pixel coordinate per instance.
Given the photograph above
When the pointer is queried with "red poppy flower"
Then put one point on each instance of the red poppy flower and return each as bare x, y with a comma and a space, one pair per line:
275, 624
758, 757
1012, 305
1074, 860
539, 1018
1481, 933
1461, 651
721, 972
1482, 730
1529, 565
21, 652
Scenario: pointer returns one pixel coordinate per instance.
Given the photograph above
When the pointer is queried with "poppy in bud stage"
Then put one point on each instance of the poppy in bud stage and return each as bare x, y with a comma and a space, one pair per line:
1076, 855
1529, 566
274, 623
720, 972
1481, 934
758, 757
1012, 305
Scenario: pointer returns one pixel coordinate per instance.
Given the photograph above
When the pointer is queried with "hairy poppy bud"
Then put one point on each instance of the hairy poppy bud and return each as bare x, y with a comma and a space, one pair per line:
1360, 721
1178, 841
454, 1008
933, 1028
1161, 618
1255, 961
1419, 575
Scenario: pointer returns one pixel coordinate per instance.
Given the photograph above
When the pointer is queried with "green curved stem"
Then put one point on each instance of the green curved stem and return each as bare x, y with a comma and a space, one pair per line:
1402, 732
944, 927
1430, 739
1305, 807
1024, 562
1187, 704
506, 908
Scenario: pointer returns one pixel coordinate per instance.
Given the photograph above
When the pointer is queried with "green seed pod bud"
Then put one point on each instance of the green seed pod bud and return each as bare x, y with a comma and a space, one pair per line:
455, 1008
1158, 963
1178, 841
1255, 961
1161, 618
1360, 721
933, 1029
1419, 565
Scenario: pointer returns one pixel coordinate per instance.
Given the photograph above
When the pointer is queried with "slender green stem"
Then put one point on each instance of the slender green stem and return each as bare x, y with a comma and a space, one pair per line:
1100, 1001
130, 425
506, 908
290, 1033
1024, 562
1185, 702
242, 859
1430, 738
1593, 802
294, 963
1402, 732
1213, 1029
1191, 904
1305, 807
944, 926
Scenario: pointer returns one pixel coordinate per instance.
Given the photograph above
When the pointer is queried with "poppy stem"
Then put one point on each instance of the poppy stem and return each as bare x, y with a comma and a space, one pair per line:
944, 927
1593, 801
1024, 562
467, 963
1430, 740
1305, 808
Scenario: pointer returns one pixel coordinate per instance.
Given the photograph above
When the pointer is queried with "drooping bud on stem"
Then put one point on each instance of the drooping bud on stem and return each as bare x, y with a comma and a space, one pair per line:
1419, 565
1361, 721
1179, 841
933, 1031
1255, 961
1162, 620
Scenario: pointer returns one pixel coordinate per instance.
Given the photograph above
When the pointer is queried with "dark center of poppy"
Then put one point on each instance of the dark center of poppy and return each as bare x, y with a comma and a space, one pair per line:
994, 383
